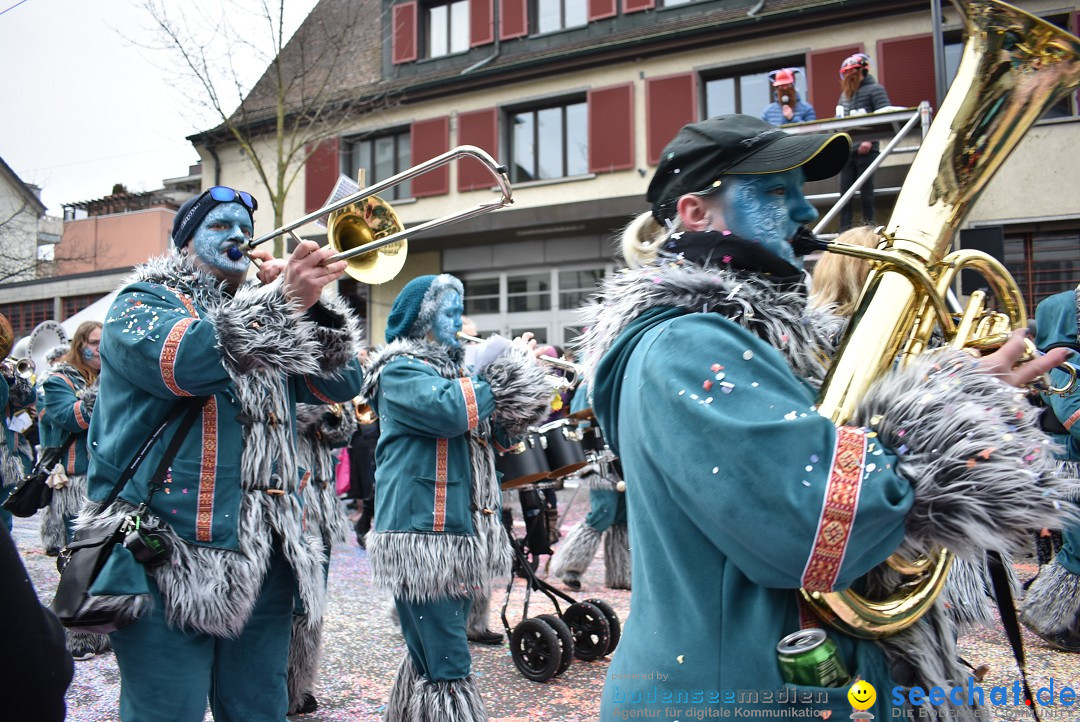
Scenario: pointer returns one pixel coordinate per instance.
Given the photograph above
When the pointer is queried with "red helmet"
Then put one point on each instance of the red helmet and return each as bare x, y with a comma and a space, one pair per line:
858, 60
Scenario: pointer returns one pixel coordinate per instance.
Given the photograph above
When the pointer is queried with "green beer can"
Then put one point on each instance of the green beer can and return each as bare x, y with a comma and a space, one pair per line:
808, 657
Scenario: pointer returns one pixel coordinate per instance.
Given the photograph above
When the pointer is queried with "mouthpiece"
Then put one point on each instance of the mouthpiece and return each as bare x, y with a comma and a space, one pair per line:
806, 242
785, 99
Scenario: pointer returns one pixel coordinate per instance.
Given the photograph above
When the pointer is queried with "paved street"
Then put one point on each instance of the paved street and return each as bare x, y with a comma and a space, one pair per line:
362, 650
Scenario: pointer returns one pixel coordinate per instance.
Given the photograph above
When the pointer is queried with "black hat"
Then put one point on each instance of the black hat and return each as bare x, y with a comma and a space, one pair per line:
702, 152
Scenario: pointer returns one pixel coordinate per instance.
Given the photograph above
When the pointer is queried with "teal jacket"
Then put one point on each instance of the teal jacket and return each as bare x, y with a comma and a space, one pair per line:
166, 341
64, 412
437, 529
1056, 322
725, 529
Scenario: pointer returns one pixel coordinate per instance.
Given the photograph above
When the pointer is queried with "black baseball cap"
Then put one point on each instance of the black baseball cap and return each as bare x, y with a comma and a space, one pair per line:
701, 153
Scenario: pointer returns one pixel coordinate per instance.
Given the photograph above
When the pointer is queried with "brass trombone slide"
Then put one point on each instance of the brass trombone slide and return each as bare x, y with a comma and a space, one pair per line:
496, 170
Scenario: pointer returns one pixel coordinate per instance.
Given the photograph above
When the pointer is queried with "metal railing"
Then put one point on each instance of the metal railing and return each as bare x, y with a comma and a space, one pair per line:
920, 115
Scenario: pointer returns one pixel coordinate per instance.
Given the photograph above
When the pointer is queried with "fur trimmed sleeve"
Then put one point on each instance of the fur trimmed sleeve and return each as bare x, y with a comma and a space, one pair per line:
337, 332
259, 328
983, 473
521, 389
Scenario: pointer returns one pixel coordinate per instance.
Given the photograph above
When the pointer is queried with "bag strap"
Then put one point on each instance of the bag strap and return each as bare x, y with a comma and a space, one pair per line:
1003, 595
192, 407
39, 466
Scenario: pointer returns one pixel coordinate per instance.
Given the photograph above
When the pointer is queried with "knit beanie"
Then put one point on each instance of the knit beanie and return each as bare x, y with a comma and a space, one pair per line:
191, 214
417, 304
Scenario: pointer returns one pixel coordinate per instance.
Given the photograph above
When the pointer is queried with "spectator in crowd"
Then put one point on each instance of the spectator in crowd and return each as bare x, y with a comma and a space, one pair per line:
787, 106
859, 94
68, 397
838, 279
217, 621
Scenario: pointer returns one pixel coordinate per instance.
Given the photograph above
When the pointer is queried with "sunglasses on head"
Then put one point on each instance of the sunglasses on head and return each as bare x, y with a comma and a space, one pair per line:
224, 194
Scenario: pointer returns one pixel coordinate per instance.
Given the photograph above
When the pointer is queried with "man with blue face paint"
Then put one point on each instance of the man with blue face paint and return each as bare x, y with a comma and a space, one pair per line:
213, 622
437, 541
704, 365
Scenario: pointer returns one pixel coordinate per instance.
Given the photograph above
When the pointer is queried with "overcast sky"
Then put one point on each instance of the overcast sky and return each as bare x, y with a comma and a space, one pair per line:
83, 107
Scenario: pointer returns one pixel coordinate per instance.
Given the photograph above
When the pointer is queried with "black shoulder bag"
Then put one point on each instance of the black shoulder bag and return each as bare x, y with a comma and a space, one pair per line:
33, 493
84, 558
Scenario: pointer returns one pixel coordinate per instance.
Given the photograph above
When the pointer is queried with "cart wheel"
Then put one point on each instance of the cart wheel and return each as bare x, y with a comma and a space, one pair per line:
566, 640
535, 648
590, 629
614, 628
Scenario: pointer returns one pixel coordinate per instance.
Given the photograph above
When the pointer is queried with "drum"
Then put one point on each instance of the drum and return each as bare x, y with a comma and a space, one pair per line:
523, 464
592, 440
562, 447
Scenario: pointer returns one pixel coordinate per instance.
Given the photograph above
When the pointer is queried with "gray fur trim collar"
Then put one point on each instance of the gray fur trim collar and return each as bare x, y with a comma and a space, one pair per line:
806, 337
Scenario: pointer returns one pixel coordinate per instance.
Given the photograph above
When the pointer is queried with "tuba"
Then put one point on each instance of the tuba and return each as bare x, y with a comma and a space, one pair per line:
1014, 66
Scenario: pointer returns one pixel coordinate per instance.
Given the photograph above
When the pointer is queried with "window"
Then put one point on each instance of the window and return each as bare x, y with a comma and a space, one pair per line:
25, 316
528, 293
552, 15
576, 286
1043, 263
748, 91
549, 142
544, 301
71, 305
481, 296
381, 156
447, 27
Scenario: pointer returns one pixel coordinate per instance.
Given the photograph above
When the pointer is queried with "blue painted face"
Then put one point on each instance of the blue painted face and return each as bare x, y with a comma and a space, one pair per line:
225, 225
768, 209
447, 321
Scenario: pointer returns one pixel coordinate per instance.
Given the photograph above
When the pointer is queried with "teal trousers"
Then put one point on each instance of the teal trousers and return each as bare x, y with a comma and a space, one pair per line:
435, 636
169, 674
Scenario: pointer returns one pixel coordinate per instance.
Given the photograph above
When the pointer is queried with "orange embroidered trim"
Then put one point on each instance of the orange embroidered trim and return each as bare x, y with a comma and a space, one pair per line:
838, 511
71, 459
304, 481
77, 409
318, 394
1072, 420
442, 447
471, 408
169, 349
204, 514
186, 300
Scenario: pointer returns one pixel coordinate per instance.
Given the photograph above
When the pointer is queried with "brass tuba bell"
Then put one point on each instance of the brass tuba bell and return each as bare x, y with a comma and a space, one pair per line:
1014, 66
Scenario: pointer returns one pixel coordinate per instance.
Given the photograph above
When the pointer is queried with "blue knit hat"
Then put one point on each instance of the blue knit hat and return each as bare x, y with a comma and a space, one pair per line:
195, 209
417, 304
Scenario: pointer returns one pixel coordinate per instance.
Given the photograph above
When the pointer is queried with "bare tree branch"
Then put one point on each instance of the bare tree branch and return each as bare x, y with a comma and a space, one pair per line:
292, 104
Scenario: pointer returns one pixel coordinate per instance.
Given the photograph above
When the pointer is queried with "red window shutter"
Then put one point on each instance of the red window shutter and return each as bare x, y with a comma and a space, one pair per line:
431, 138
823, 78
404, 35
320, 174
632, 6
670, 103
904, 71
481, 22
600, 9
479, 128
513, 19
611, 128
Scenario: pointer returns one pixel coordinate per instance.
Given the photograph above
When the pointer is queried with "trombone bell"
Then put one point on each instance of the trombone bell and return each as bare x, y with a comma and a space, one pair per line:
366, 221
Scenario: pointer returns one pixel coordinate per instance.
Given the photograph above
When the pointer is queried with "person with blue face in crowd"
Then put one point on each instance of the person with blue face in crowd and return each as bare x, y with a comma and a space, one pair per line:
437, 541
704, 363
212, 623
1051, 607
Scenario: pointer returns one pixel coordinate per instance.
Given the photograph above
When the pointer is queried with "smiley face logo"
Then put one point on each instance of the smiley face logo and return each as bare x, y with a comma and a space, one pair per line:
862, 695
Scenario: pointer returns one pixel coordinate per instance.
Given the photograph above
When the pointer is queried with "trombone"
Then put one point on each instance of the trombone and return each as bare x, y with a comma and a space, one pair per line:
365, 230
